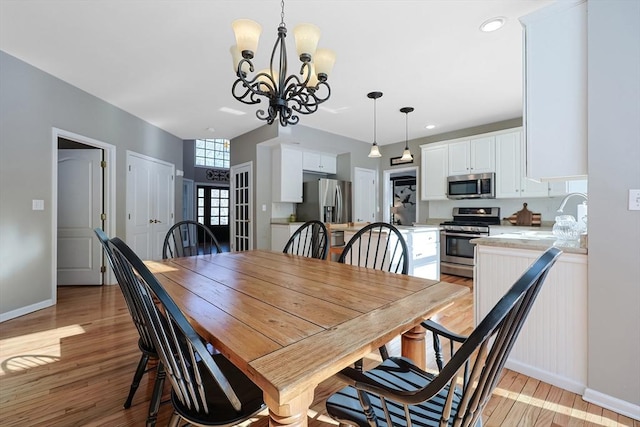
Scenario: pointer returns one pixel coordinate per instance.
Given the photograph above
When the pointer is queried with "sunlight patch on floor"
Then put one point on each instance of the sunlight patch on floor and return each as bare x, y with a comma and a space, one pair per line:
45, 343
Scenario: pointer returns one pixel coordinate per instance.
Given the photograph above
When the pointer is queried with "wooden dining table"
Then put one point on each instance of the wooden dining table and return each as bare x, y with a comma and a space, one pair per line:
290, 322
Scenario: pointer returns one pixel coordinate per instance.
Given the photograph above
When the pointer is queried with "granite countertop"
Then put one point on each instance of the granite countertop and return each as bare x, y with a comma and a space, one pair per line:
534, 240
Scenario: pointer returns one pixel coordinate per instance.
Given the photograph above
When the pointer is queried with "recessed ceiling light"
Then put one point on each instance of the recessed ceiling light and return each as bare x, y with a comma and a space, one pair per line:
493, 24
430, 126
211, 129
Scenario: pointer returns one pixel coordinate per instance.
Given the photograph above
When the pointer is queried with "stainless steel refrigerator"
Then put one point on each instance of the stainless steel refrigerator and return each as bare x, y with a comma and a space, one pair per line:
327, 200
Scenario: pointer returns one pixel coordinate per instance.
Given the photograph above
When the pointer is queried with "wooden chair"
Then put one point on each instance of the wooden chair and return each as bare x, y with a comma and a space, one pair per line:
188, 238
399, 393
206, 389
310, 239
378, 245
145, 343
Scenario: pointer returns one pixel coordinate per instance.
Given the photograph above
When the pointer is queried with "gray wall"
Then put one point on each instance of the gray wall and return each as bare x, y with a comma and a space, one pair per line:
614, 168
31, 104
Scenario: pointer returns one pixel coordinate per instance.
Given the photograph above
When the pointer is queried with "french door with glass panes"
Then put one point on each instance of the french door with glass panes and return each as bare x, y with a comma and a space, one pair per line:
213, 211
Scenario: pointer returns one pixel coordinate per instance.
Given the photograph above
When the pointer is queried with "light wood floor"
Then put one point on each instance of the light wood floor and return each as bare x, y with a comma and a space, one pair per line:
72, 365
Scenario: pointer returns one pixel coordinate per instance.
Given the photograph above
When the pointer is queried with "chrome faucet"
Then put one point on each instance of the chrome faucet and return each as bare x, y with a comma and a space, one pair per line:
567, 197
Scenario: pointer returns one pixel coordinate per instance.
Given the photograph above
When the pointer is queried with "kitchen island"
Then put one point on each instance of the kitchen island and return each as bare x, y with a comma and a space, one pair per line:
553, 344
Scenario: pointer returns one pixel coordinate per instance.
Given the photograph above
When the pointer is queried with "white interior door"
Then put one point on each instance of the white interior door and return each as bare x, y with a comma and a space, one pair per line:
241, 232
364, 195
79, 212
150, 203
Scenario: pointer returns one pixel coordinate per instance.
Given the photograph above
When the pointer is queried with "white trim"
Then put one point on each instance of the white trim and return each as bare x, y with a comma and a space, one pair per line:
109, 187
546, 376
28, 309
619, 406
386, 196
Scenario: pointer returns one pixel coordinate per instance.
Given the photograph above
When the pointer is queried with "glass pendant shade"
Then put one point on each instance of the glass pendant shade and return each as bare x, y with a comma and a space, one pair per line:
236, 56
247, 35
306, 36
323, 61
406, 154
375, 151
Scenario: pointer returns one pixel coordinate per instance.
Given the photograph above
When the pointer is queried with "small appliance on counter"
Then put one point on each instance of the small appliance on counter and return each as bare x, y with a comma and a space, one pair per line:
456, 253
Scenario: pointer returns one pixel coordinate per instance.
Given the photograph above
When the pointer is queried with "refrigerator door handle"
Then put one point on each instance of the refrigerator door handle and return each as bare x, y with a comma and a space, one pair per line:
339, 204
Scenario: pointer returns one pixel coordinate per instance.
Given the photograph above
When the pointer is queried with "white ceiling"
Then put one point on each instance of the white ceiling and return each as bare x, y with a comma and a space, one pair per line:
168, 61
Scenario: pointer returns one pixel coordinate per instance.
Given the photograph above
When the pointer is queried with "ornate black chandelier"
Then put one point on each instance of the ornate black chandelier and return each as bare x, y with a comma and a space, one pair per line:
287, 95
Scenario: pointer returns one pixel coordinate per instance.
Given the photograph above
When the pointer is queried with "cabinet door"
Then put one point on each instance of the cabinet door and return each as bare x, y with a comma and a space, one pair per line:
508, 165
328, 163
287, 175
280, 234
435, 172
311, 161
555, 90
482, 155
459, 158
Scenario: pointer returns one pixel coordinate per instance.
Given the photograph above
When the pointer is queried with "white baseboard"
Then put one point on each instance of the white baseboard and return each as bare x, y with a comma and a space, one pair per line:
548, 377
616, 405
25, 310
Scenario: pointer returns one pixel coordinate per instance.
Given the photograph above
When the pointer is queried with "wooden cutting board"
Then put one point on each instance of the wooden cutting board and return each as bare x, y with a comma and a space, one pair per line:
525, 217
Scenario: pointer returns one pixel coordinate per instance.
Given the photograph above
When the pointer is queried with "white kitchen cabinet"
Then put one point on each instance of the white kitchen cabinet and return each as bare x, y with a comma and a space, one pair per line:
511, 181
475, 155
280, 234
562, 188
286, 174
555, 91
552, 346
424, 247
435, 169
314, 161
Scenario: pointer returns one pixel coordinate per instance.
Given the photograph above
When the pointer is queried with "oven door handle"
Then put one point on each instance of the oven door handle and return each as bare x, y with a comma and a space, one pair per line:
473, 236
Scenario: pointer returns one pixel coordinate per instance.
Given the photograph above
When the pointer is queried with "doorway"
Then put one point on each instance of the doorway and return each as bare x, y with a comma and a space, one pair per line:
364, 195
401, 203
213, 211
78, 207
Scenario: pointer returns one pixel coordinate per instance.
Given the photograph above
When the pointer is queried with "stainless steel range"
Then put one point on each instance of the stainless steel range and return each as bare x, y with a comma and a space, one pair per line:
456, 253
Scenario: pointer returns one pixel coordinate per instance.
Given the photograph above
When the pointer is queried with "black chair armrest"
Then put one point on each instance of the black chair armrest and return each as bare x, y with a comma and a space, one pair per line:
442, 331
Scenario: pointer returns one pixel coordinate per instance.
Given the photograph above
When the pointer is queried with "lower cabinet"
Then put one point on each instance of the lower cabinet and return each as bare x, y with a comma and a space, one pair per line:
552, 346
424, 250
280, 234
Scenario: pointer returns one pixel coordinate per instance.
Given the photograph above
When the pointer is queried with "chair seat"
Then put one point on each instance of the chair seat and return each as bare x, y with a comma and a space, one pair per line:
396, 373
220, 410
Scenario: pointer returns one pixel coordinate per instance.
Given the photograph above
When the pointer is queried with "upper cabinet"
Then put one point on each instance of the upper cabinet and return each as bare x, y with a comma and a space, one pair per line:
475, 155
313, 161
287, 174
435, 164
555, 95
511, 181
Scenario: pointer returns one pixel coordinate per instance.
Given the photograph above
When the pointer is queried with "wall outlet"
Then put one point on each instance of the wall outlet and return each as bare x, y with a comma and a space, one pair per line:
634, 200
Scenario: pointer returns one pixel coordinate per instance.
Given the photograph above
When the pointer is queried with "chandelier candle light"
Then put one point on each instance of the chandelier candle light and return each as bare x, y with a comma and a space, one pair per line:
375, 151
287, 95
406, 154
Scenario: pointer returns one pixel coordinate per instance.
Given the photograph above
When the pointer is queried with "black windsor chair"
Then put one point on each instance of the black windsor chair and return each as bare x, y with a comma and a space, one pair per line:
145, 344
310, 239
189, 238
380, 246
206, 389
397, 392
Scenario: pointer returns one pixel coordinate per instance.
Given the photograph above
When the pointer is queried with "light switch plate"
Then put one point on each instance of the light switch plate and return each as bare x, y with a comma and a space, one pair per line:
37, 205
634, 200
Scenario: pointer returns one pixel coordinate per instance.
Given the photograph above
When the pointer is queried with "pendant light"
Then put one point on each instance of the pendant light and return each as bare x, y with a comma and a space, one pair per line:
375, 151
406, 154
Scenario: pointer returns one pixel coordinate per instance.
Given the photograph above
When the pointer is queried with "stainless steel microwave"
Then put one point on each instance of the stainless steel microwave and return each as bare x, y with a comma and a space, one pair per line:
474, 186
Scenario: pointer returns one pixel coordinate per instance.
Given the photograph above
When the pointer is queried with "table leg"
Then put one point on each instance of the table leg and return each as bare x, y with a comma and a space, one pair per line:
413, 346
292, 413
